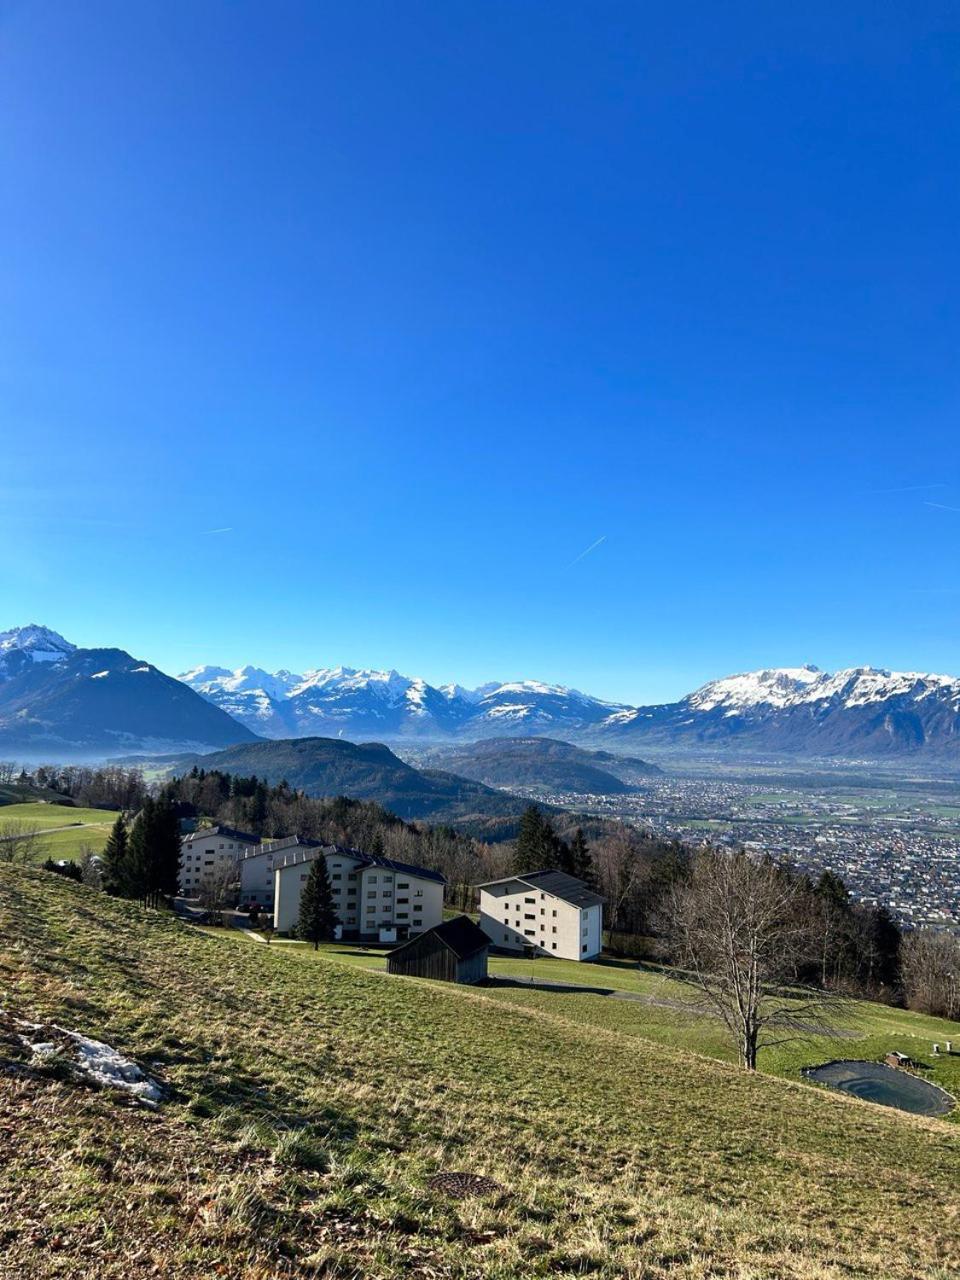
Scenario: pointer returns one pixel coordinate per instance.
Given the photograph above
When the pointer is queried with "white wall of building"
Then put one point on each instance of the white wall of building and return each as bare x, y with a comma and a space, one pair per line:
205, 857
372, 900
514, 915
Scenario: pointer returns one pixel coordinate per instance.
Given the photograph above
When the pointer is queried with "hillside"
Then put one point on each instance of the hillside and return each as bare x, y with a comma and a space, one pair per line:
364, 771
298, 1141
545, 763
64, 703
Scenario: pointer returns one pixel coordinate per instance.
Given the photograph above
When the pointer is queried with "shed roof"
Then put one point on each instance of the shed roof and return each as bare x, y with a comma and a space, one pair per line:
460, 935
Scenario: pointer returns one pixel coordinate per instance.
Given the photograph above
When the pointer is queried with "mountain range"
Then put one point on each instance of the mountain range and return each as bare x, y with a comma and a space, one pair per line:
860, 712
58, 701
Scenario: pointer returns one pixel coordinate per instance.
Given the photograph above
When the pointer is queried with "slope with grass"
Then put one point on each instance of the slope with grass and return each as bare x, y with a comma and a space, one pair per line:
312, 1102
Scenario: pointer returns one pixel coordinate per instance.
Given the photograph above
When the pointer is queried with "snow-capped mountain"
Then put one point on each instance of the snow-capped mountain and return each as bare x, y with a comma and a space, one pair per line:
343, 700
23, 646
862, 711
58, 702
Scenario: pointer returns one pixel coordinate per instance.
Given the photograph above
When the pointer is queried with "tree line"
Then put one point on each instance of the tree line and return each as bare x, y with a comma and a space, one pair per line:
107, 787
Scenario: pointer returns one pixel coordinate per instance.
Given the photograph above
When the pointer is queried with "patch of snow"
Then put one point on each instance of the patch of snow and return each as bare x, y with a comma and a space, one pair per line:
92, 1060
98, 675
137, 670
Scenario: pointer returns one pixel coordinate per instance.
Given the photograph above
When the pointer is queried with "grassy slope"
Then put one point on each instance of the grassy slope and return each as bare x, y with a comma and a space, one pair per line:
314, 1100
867, 1030
64, 838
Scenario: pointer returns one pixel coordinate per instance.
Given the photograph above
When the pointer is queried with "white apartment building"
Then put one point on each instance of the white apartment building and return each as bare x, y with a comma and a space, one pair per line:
207, 853
375, 898
553, 912
257, 864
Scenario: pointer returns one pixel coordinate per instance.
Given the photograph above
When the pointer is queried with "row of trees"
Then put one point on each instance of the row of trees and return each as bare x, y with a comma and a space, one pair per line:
108, 787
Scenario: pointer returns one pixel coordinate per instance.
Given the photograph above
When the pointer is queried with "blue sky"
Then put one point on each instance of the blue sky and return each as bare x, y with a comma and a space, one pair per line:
337, 333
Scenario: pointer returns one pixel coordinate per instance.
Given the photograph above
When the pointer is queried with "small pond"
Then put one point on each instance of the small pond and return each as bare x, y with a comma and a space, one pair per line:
879, 1083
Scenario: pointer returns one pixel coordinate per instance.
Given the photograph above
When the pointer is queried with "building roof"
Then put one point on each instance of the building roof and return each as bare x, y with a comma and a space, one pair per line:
557, 883
300, 855
277, 846
460, 935
230, 833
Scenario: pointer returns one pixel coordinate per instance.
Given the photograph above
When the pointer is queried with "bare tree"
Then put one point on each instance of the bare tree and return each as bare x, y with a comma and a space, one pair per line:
931, 972
19, 842
8, 771
740, 933
91, 867
218, 891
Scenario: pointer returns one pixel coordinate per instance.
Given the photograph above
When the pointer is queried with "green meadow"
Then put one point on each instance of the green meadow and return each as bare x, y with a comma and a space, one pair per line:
311, 1102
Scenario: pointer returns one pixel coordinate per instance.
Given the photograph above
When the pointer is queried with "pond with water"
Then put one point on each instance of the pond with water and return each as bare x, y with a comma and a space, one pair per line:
877, 1082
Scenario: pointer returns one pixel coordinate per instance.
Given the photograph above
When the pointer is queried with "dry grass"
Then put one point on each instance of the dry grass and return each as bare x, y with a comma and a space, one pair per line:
313, 1103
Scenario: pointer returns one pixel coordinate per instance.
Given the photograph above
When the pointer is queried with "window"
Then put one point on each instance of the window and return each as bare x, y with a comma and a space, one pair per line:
528, 933
417, 907
388, 893
506, 937
543, 911
403, 915
372, 880
554, 914
530, 900
351, 893
403, 884
554, 945
402, 901
553, 929
584, 947
337, 876
529, 915
371, 893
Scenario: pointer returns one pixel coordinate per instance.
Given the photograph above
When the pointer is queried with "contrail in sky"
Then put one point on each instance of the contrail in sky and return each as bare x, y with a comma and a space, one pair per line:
941, 506
229, 529
592, 547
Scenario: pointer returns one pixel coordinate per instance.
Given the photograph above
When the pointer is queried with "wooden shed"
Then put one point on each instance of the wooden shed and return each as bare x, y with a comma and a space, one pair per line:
455, 951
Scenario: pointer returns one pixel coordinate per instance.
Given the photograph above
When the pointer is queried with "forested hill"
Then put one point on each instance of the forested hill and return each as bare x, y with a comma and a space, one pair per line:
362, 771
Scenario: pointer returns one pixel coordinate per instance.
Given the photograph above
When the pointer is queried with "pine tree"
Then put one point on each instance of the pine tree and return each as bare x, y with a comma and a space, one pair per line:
116, 861
154, 853
581, 863
538, 846
317, 914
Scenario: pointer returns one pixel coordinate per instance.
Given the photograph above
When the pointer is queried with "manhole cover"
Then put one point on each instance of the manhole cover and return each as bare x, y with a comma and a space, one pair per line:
461, 1185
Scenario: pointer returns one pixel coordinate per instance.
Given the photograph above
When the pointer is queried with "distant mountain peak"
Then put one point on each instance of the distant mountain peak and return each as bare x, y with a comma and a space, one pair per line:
40, 642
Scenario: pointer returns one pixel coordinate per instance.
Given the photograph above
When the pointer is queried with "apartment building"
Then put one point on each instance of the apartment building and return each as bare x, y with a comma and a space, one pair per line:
207, 854
257, 865
549, 911
376, 898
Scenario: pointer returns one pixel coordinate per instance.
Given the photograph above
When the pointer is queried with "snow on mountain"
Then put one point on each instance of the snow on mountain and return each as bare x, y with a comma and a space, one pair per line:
29, 644
794, 686
364, 701
773, 688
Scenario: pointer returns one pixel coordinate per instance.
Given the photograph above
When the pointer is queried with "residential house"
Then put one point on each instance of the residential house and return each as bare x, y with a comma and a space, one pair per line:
549, 911
207, 854
454, 951
375, 898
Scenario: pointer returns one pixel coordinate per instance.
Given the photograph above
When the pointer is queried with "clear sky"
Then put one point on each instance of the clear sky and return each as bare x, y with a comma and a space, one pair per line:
614, 344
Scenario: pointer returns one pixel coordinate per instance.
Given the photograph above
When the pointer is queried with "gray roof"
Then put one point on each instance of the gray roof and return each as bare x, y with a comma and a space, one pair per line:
460, 935
557, 883
230, 833
363, 859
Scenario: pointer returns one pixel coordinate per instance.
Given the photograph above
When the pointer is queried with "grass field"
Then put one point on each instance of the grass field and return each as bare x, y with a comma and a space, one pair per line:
312, 1100
67, 831
863, 1029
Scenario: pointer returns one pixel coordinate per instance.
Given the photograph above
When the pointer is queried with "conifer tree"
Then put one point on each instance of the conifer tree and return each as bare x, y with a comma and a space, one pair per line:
116, 861
581, 863
317, 915
154, 853
538, 846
